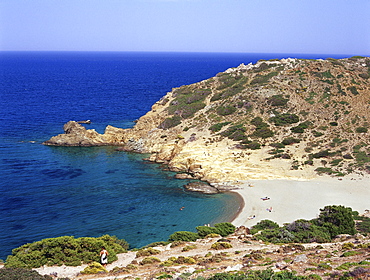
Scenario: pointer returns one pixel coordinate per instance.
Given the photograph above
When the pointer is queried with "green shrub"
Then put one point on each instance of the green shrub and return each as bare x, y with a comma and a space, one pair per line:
353, 90
301, 127
218, 126
262, 225
320, 154
205, 230
337, 220
212, 235
147, 252
221, 245
183, 260
188, 248
252, 145
361, 129
351, 253
225, 110
317, 133
150, 260
363, 224
263, 133
170, 122
263, 79
183, 236
21, 274
94, 268
290, 141
225, 229
277, 100
257, 274
65, 250
216, 96
284, 119
235, 133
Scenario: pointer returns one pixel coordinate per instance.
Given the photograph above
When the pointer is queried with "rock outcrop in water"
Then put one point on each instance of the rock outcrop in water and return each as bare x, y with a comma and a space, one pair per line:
289, 118
77, 135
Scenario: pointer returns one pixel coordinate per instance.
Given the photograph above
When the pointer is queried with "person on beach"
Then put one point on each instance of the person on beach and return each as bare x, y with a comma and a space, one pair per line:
104, 256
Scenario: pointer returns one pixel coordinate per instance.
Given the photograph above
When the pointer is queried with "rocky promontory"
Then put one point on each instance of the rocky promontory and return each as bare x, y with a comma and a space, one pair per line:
76, 134
289, 118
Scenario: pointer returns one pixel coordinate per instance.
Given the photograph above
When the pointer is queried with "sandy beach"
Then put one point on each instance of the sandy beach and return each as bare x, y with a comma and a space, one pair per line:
289, 200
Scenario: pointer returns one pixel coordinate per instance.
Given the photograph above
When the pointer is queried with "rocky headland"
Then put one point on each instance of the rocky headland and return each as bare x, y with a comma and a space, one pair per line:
276, 119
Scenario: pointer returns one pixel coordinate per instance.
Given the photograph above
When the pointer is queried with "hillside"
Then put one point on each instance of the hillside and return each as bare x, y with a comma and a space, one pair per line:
275, 117
289, 118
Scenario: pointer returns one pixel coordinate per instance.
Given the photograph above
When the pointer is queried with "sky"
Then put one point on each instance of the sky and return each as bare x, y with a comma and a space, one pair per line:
246, 26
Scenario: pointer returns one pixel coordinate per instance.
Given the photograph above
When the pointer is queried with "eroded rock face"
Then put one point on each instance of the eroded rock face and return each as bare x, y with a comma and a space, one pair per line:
77, 135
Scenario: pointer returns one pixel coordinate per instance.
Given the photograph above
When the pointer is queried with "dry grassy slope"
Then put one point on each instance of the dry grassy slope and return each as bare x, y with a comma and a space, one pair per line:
332, 95
326, 260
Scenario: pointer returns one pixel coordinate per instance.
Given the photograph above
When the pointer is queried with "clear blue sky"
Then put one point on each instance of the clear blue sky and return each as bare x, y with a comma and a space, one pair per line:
262, 26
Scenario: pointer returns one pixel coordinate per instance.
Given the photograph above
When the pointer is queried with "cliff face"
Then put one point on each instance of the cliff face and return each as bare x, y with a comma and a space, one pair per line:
289, 118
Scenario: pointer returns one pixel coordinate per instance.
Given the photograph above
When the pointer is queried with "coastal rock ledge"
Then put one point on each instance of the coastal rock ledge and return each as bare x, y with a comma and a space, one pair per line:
77, 135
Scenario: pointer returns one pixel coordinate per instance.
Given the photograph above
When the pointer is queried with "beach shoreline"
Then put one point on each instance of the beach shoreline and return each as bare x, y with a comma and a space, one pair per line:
286, 200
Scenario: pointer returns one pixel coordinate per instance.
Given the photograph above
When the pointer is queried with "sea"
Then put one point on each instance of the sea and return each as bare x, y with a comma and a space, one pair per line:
48, 191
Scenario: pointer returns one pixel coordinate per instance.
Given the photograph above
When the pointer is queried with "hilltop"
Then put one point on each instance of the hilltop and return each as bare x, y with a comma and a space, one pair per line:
289, 118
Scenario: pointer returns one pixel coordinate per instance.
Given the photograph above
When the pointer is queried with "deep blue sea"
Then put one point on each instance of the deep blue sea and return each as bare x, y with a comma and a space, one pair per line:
54, 191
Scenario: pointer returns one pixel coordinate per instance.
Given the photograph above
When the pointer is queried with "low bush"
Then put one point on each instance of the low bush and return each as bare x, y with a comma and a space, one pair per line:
218, 126
277, 100
263, 79
221, 245
284, 119
290, 141
21, 273
170, 122
333, 220
223, 229
301, 127
321, 154
252, 145
147, 252
353, 90
184, 236
361, 129
235, 132
188, 248
262, 225
94, 268
263, 133
267, 274
150, 260
65, 250
351, 253
225, 110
